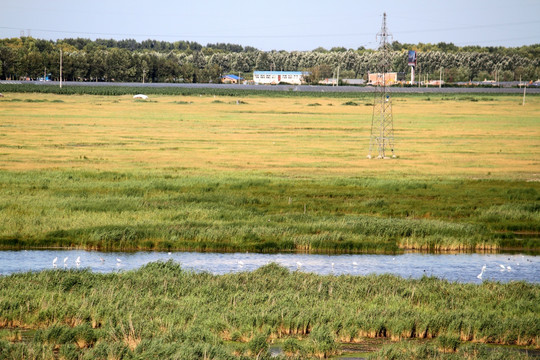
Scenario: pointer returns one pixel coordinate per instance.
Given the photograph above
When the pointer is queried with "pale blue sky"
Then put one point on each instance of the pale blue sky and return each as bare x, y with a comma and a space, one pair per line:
278, 24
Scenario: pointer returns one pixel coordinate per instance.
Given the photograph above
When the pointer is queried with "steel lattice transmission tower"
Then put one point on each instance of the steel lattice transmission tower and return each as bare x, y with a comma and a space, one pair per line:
382, 123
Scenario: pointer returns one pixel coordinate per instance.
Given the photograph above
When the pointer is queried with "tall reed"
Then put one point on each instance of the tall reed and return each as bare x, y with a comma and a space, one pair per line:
162, 308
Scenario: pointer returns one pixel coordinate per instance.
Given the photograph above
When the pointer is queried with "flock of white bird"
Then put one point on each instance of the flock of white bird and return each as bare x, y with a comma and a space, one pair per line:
241, 264
502, 267
78, 261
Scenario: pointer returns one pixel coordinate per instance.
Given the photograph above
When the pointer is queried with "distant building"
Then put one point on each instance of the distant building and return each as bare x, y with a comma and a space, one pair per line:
276, 77
343, 81
389, 78
354, 81
436, 82
231, 79
331, 81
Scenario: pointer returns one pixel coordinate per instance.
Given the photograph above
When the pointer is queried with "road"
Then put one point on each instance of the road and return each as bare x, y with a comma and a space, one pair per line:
303, 88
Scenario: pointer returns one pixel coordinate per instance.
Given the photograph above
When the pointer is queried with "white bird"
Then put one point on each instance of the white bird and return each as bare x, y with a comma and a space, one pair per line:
240, 263
355, 263
482, 272
332, 267
54, 262
502, 267
118, 262
298, 265
65, 261
169, 253
508, 268
78, 261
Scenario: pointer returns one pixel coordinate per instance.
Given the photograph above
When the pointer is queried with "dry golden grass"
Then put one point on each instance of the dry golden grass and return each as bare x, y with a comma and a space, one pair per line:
489, 138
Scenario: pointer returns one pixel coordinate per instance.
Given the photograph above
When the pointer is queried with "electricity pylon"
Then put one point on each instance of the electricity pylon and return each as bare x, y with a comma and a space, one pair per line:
382, 123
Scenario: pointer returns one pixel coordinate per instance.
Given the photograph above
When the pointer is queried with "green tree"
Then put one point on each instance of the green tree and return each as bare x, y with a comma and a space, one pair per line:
187, 72
98, 65
116, 64
8, 56
263, 61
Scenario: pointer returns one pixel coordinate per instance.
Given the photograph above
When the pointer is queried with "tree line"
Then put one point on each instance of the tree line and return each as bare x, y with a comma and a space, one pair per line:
184, 61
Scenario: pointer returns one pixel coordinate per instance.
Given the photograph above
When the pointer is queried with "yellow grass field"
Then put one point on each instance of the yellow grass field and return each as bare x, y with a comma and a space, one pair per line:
489, 137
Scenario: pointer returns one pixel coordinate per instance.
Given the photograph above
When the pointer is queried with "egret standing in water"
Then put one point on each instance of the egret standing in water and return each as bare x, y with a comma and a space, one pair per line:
78, 261
54, 262
118, 262
298, 265
65, 261
482, 272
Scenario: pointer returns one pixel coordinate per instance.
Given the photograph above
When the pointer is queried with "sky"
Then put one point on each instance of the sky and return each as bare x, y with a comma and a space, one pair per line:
278, 24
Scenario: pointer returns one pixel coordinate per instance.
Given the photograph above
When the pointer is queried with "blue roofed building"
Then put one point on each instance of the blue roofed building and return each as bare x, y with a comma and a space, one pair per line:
276, 77
231, 79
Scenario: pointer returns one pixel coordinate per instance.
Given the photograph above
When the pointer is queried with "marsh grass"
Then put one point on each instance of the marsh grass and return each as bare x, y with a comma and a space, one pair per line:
126, 211
431, 350
163, 310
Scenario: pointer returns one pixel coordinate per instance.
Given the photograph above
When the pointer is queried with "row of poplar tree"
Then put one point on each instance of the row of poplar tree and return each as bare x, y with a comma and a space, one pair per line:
183, 61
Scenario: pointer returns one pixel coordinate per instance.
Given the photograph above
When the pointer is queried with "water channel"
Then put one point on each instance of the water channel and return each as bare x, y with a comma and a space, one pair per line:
453, 267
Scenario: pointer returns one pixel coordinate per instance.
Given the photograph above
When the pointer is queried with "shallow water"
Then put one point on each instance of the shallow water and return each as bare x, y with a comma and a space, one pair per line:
456, 267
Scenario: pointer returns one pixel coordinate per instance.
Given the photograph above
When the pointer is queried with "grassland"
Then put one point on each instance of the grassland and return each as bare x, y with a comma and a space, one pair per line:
162, 311
267, 174
450, 137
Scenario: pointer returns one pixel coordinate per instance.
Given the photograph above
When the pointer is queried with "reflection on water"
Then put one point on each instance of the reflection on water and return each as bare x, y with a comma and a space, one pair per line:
458, 267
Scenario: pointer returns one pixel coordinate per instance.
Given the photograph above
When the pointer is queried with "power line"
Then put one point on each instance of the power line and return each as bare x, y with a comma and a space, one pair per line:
471, 27
472, 43
193, 36
432, 30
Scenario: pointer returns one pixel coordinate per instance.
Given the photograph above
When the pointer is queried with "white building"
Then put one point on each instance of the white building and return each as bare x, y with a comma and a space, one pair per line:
276, 77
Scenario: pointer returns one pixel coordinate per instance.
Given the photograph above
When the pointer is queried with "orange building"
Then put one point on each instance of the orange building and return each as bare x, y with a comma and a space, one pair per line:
389, 78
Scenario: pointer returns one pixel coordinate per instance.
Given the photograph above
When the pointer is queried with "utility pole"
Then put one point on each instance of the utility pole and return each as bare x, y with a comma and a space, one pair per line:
337, 80
60, 68
382, 123
440, 78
